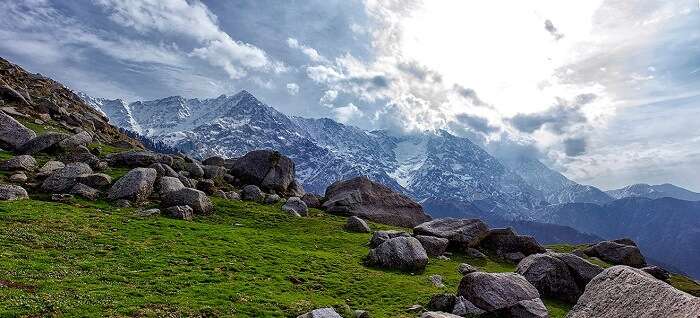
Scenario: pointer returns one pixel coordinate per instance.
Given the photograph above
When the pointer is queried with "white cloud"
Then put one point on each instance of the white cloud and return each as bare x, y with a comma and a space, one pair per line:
328, 98
310, 52
292, 89
347, 113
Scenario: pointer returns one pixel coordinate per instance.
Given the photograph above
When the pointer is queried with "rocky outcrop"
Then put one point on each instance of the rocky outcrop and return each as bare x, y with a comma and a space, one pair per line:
501, 292
321, 313
434, 246
169, 184
508, 245
380, 237
49, 167
252, 193
12, 192
617, 254
12, 133
581, 270
82, 138
135, 159
85, 191
296, 205
63, 179
182, 212
197, 200
95, 180
551, 277
461, 233
136, 185
46, 142
373, 201
400, 253
622, 291
311, 200
19, 163
355, 224
657, 272
269, 170
214, 161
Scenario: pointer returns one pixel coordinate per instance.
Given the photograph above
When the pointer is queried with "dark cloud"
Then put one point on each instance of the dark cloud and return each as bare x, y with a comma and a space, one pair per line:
469, 94
479, 124
556, 119
549, 26
574, 147
420, 71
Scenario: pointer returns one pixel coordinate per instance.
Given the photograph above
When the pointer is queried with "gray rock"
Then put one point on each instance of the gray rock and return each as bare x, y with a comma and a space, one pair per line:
19, 163
474, 253
465, 308
533, 308
550, 276
657, 272
622, 291
372, 201
9, 94
361, 314
195, 170
79, 154
321, 313
197, 200
400, 253
355, 224
465, 269
272, 199
10, 192
45, 142
187, 182
493, 291
148, 212
207, 186
19, 177
294, 204
311, 200
122, 203
85, 191
65, 178
12, 133
82, 138
233, 195
461, 232
252, 193
213, 172
582, 270
50, 167
434, 246
169, 184
270, 170
506, 244
220, 194
442, 302
133, 159
625, 241
437, 314
380, 237
617, 254
214, 161
95, 180
164, 170
62, 197
436, 280
136, 185
182, 212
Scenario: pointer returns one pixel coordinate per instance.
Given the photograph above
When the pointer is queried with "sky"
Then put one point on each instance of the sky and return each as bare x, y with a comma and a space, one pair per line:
605, 91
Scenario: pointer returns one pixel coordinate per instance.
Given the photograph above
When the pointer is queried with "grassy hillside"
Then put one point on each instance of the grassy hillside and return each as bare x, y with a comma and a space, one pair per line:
91, 259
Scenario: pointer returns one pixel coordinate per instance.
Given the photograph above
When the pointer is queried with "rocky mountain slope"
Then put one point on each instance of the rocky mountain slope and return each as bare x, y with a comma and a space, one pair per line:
654, 192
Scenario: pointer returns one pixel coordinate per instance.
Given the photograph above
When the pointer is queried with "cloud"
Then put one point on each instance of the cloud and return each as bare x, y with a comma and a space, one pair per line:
558, 119
549, 26
574, 147
347, 113
328, 98
311, 53
479, 124
292, 88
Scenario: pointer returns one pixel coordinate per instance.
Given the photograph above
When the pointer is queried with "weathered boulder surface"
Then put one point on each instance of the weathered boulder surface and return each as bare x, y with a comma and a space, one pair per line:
19, 163
10, 192
321, 313
442, 302
197, 200
12, 133
44, 142
296, 205
355, 224
213, 172
270, 170
49, 167
207, 186
214, 161
85, 191
496, 291
461, 233
582, 270
622, 291
400, 253
65, 178
617, 254
183, 212
533, 308
373, 201
438, 314
550, 276
82, 138
380, 237
252, 193
136, 185
657, 272
465, 269
194, 169
505, 242
434, 246
133, 159
465, 308
169, 184
311, 200
164, 170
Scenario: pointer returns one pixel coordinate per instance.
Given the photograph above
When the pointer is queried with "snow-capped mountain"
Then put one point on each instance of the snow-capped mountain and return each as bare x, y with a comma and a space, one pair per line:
422, 165
654, 192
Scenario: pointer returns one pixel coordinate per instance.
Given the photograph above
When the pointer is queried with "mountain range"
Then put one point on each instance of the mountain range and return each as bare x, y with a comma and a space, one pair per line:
448, 174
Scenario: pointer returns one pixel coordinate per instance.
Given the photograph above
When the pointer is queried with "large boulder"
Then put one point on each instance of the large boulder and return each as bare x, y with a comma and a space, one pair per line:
434, 246
617, 254
657, 272
311, 200
138, 159
82, 138
169, 184
213, 172
252, 193
461, 233
64, 179
136, 185
622, 291
270, 170
197, 200
550, 276
194, 169
380, 237
321, 313
214, 161
496, 291
79, 154
400, 253
581, 270
50, 167
45, 142
164, 170
95, 180
12, 133
84, 191
10, 192
355, 224
505, 242
295, 205
373, 201
19, 163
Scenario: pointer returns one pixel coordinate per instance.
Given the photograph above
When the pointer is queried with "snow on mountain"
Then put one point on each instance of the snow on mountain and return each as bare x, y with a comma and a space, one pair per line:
116, 110
654, 192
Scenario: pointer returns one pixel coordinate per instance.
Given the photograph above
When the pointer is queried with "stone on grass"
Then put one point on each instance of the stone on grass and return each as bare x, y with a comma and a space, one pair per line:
617, 254
465, 308
10, 192
380, 237
207, 186
169, 184
45, 142
270, 170
399, 253
49, 167
183, 212
295, 205
12, 133
493, 291
62, 197
436, 280
311, 200
19, 163
465, 269
272, 199
136, 185
19, 177
85, 191
148, 212
252, 193
438, 314
460, 232
510, 246
82, 138
442, 302
355, 224
197, 200
95, 180
434, 246
551, 277
474, 253
321, 313
63, 179
582, 270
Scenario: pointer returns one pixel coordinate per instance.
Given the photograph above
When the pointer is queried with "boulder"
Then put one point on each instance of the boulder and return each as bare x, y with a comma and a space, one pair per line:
438, 314
65, 178
19, 163
617, 254
50, 167
85, 191
625, 241
187, 182
133, 159
505, 243
182, 212
213, 172
252, 193
62, 197
311, 200
195, 170
437, 281
465, 308
270, 170
295, 189
19, 177
550, 276
355, 224
380, 237
10, 192
465, 269
494, 291
622, 291
533, 308
272, 199
434, 246
461, 233
474, 253
321, 313
207, 186
373, 201
12, 133
657, 272
95, 180
148, 212
169, 184
82, 138
45, 142
400, 253
79, 154
214, 161
442, 302
164, 170
136, 185
197, 200
582, 270
232, 195
10, 94
295, 205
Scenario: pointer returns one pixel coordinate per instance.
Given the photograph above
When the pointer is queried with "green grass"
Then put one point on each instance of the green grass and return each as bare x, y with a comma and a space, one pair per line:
39, 129
685, 284
247, 260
